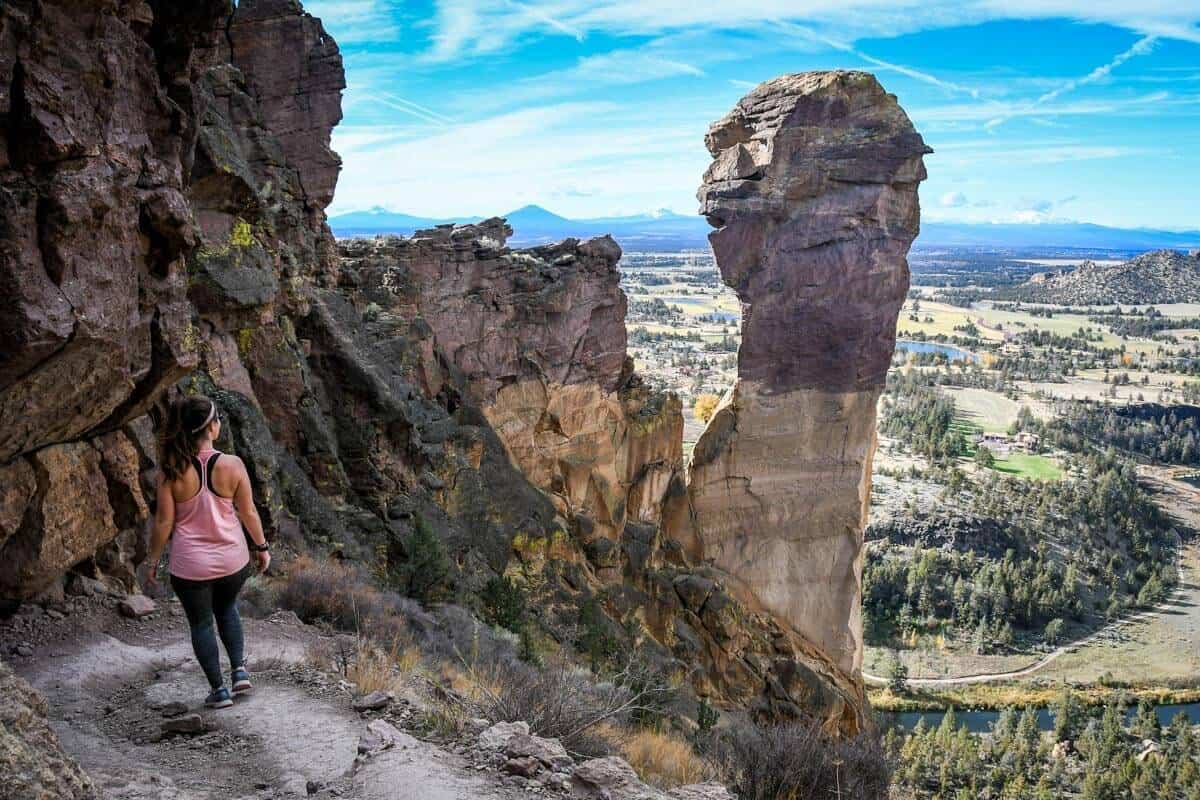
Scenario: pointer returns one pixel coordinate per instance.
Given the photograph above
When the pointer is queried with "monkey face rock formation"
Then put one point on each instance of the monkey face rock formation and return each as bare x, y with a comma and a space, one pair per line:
813, 193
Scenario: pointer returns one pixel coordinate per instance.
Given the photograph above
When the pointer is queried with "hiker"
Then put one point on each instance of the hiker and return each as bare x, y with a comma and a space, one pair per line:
204, 500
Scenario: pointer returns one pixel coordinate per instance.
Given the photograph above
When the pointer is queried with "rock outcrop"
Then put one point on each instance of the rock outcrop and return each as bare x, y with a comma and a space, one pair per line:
94, 231
164, 173
539, 337
32, 762
1159, 276
813, 194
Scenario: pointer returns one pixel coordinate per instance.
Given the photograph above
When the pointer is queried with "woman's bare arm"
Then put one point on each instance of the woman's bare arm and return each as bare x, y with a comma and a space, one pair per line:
243, 501
164, 522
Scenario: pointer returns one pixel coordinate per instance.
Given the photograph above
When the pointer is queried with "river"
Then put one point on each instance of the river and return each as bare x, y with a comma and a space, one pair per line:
982, 721
949, 351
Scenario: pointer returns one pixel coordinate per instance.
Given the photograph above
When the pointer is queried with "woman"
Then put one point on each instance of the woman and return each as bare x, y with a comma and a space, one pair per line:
204, 499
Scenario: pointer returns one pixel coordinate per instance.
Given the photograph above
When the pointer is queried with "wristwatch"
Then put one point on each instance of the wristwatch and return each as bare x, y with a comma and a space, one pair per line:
259, 548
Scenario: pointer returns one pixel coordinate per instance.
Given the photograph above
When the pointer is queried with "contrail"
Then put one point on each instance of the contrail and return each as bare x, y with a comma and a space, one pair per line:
386, 101
1141, 46
575, 33
915, 74
420, 108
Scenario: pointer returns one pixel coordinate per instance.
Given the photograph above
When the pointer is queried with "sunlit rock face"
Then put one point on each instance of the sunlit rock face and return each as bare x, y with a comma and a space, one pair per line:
813, 194
539, 337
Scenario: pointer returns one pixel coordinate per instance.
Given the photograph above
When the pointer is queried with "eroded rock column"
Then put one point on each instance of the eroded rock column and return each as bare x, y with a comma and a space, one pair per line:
813, 194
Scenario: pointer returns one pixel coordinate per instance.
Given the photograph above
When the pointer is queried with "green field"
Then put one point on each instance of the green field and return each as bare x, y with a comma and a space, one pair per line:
988, 411
1028, 465
1023, 465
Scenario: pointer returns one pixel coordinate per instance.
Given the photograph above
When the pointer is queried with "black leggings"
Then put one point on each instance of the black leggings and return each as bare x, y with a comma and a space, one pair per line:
204, 600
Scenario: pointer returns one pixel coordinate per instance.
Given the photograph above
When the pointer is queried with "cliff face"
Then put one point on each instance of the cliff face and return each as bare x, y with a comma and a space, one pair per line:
813, 193
539, 337
164, 170
94, 231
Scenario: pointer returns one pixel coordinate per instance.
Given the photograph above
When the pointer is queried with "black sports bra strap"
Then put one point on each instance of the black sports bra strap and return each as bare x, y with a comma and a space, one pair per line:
199, 470
212, 462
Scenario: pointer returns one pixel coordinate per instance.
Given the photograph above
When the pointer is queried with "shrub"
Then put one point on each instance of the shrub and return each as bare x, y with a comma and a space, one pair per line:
424, 571
564, 702
596, 639
704, 406
798, 761
340, 595
663, 759
503, 603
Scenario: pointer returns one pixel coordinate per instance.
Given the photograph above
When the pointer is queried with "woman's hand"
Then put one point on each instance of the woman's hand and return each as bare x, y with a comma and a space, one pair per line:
150, 579
263, 558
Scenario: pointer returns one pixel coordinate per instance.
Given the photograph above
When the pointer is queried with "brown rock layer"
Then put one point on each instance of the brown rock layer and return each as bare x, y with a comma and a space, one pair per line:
95, 128
813, 191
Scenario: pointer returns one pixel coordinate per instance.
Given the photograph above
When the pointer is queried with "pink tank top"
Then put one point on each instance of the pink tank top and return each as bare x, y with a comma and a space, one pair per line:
208, 541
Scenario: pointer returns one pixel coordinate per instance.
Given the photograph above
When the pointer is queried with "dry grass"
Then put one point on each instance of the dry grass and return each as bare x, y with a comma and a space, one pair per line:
341, 595
664, 759
375, 669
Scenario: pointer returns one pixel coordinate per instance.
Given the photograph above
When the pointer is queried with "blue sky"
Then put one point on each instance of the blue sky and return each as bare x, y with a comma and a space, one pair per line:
1037, 109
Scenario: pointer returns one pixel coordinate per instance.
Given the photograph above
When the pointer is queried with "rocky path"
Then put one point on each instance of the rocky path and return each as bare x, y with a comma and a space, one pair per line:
294, 735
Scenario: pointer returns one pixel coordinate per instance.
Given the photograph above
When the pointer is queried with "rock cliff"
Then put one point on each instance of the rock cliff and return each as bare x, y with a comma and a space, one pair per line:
94, 232
164, 170
813, 194
539, 337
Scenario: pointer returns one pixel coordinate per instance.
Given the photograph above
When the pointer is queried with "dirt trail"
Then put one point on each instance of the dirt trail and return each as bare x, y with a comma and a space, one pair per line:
294, 735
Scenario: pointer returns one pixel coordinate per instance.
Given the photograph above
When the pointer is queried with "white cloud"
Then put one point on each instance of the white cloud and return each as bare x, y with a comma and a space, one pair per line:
953, 200
581, 152
474, 27
356, 21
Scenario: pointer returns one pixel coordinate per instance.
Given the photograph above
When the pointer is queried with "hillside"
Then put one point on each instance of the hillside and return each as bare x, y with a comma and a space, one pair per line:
1160, 276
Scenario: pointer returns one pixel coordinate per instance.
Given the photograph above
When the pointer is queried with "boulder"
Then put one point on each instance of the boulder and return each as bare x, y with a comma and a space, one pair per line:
524, 766
701, 791
497, 736
136, 606
186, 724
31, 759
382, 735
375, 701
610, 778
547, 751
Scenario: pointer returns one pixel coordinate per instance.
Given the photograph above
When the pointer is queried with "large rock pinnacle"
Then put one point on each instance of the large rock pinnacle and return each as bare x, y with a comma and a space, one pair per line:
813, 194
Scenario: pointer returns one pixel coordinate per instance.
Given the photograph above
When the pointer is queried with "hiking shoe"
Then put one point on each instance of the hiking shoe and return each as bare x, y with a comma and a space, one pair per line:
241, 681
218, 698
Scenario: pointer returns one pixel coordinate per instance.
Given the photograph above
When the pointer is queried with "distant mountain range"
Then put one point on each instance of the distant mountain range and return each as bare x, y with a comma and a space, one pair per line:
660, 230
666, 230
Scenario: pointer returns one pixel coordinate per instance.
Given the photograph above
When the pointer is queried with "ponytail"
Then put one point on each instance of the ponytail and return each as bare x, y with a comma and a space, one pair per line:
186, 420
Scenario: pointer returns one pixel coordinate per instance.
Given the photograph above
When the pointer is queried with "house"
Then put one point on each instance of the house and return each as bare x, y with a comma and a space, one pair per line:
996, 442
1027, 441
